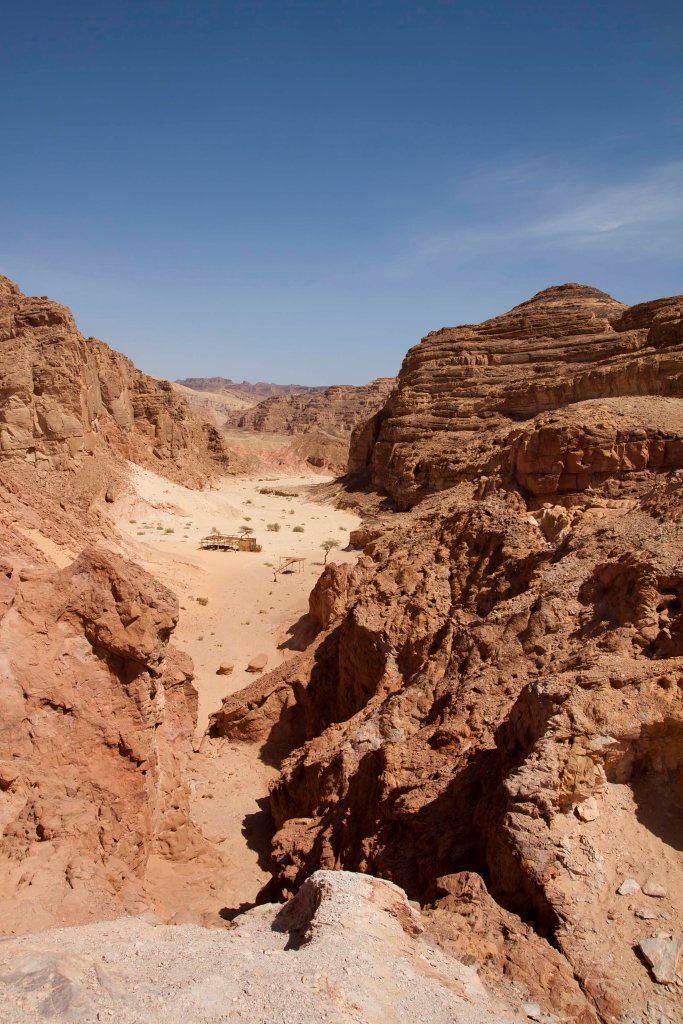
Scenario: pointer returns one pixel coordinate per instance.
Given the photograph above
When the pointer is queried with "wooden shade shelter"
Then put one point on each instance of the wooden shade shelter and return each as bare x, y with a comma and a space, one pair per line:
228, 542
290, 563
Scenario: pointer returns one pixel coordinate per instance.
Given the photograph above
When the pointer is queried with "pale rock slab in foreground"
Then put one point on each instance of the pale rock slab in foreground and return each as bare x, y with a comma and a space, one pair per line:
347, 948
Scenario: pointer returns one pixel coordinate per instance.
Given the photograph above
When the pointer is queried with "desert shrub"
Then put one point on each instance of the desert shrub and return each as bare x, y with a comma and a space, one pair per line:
258, 547
273, 527
202, 600
169, 529
298, 529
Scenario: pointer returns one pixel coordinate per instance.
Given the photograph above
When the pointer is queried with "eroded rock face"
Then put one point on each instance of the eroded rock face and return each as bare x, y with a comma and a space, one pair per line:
96, 715
496, 688
64, 398
321, 419
463, 391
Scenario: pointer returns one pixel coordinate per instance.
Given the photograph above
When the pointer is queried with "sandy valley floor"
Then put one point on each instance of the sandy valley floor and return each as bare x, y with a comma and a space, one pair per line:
232, 608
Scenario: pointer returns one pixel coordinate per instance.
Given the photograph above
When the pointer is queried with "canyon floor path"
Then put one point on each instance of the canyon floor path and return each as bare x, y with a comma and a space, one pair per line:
234, 607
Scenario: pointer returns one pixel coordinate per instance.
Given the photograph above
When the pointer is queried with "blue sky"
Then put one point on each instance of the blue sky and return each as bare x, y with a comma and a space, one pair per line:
300, 191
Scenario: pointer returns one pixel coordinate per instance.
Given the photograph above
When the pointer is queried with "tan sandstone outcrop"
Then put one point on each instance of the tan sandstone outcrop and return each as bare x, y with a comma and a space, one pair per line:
96, 713
321, 419
464, 391
65, 398
495, 691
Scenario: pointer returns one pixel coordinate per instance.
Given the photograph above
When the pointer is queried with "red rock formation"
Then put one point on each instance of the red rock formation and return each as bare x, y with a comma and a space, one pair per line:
96, 714
64, 399
497, 687
321, 419
464, 389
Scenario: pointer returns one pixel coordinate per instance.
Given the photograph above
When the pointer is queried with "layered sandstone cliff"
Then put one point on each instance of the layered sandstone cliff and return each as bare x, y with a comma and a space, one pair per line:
322, 419
491, 714
465, 392
65, 399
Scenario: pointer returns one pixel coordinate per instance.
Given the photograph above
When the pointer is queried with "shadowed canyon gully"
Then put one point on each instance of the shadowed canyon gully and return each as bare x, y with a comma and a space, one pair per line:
481, 704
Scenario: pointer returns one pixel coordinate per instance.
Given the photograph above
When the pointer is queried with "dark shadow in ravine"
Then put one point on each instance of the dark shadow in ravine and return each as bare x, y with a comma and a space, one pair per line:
258, 830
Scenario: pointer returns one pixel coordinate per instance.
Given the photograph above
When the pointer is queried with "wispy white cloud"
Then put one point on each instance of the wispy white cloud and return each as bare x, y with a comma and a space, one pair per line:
533, 207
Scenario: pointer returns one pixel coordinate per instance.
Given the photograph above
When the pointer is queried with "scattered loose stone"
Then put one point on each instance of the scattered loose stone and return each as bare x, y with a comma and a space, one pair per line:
654, 889
646, 914
588, 810
629, 887
662, 952
535, 1013
225, 668
258, 663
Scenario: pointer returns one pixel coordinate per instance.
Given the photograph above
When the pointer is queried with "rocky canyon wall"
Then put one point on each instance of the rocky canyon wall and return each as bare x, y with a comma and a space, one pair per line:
65, 398
321, 420
96, 714
466, 392
491, 714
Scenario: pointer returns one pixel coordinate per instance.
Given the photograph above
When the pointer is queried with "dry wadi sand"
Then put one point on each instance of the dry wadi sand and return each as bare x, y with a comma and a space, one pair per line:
233, 607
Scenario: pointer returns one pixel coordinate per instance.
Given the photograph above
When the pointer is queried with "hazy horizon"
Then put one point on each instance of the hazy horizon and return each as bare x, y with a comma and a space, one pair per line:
297, 192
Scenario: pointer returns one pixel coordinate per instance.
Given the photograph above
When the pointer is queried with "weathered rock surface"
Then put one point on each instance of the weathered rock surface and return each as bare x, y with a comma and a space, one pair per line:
321, 419
496, 689
465, 393
212, 406
65, 399
347, 948
662, 953
96, 713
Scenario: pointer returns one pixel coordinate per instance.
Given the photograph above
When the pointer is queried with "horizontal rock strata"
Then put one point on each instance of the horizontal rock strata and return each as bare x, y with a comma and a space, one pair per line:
321, 419
463, 389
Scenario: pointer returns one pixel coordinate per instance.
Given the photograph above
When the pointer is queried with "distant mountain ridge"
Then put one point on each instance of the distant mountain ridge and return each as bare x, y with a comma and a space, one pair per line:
245, 389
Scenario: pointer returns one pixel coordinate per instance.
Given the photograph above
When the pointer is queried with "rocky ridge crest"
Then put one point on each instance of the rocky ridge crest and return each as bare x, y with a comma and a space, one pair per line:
468, 397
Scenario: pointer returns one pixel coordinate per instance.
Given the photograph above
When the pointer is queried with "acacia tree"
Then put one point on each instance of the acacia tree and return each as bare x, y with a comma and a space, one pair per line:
327, 546
246, 530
